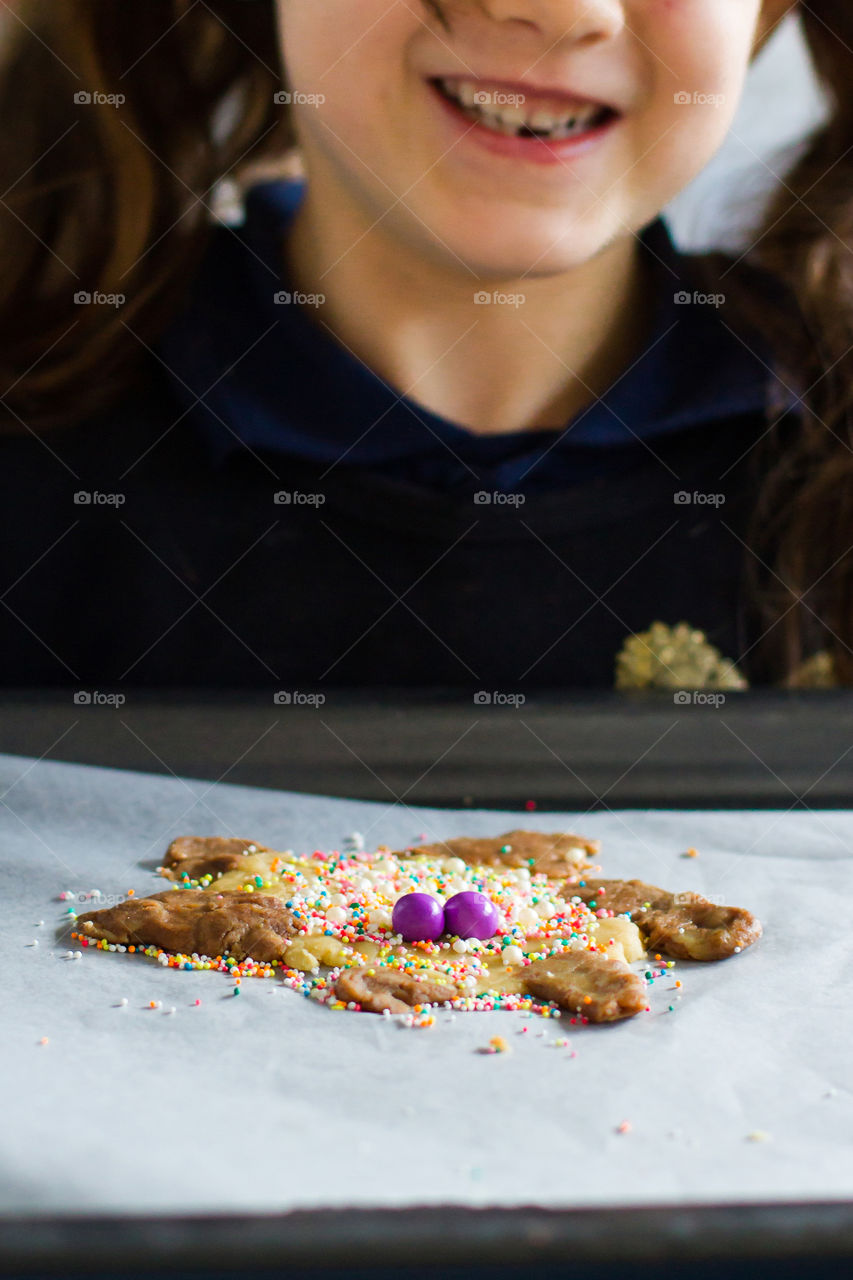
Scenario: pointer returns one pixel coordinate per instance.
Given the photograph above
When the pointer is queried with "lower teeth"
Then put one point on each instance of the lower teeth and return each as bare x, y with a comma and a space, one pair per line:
524, 130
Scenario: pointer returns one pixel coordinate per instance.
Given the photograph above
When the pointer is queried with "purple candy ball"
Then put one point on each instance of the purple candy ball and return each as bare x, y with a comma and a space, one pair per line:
471, 915
418, 917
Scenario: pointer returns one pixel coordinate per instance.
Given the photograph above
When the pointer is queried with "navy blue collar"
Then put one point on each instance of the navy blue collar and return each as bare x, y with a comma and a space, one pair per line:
257, 372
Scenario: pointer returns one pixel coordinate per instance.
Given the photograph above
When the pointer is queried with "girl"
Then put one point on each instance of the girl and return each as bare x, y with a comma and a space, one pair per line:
448, 407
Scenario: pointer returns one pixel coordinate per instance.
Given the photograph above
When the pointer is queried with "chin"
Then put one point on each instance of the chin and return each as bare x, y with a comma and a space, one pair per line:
504, 234
500, 252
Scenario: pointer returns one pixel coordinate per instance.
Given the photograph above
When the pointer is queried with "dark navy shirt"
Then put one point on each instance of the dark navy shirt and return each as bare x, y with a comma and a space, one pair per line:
275, 379
260, 509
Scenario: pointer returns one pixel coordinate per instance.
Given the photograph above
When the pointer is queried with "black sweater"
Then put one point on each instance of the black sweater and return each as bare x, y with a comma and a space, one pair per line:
200, 577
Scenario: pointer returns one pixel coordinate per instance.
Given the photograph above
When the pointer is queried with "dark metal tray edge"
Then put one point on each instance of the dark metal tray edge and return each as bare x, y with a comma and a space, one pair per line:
436, 1235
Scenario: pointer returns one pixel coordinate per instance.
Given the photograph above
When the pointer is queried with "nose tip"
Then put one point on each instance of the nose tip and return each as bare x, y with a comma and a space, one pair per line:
575, 21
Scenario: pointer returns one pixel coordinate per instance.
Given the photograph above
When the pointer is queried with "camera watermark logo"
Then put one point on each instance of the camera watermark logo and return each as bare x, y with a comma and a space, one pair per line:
94, 698
285, 98
483, 298
295, 498
285, 299
684, 499
94, 498
698, 698
697, 299
498, 98
484, 498
83, 298
686, 898
84, 98
697, 99
293, 698
496, 698
84, 897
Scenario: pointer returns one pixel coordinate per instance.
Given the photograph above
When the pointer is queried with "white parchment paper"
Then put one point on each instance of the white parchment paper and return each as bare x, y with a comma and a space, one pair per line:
266, 1102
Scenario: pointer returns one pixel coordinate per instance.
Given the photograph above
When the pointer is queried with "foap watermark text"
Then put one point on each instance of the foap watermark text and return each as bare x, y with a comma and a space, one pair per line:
699, 698
498, 698
682, 498
95, 698
295, 698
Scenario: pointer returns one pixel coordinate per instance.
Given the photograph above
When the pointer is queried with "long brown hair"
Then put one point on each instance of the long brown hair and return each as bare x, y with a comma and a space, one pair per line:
114, 200
800, 564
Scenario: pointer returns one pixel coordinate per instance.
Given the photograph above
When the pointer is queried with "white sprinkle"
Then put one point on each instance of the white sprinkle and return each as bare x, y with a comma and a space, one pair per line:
172, 1010
34, 943
122, 1002
460, 946
78, 955
69, 955
39, 923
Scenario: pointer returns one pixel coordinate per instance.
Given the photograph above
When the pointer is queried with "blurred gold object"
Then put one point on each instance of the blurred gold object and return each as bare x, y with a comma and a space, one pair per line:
678, 657
817, 672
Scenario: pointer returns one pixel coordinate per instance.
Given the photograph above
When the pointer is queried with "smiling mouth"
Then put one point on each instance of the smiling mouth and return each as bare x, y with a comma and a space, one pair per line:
516, 121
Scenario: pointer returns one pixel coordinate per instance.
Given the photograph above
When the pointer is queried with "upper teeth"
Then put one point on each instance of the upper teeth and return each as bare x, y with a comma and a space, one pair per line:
511, 117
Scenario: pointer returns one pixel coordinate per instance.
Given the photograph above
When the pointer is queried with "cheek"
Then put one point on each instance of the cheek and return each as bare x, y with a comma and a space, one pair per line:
698, 45
695, 78
363, 75
350, 50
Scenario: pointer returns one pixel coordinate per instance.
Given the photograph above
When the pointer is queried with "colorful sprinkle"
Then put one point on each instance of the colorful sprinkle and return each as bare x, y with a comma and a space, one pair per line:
497, 1044
344, 899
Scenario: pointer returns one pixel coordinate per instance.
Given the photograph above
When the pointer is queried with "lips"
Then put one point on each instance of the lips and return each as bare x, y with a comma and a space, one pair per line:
506, 114
523, 120
515, 126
